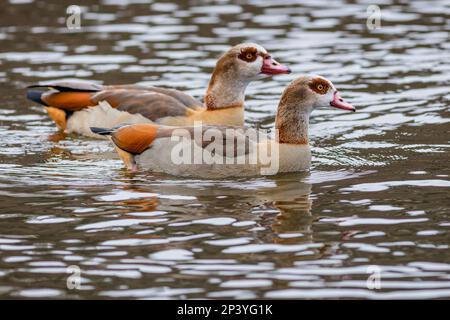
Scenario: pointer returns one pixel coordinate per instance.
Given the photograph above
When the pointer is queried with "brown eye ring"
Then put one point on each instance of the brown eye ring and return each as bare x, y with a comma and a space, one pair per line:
248, 54
319, 85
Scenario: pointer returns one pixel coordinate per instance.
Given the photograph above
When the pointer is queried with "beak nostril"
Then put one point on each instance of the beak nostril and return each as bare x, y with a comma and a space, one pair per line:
341, 100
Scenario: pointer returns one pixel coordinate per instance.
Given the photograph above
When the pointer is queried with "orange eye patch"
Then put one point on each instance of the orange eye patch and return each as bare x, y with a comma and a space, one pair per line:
319, 85
248, 54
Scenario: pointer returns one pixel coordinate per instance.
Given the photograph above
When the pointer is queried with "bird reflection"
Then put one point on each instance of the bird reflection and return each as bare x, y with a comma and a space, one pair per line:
281, 204
289, 206
57, 136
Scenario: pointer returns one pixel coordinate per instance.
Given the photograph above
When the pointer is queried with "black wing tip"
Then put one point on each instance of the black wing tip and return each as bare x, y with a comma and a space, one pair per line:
101, 131
35, 95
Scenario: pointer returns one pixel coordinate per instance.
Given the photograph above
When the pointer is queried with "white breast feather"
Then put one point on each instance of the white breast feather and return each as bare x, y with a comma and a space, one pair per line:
160, 158
103, 116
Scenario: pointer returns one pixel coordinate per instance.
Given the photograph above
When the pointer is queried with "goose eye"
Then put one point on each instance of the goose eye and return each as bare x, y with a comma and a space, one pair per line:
249, 56
320, 87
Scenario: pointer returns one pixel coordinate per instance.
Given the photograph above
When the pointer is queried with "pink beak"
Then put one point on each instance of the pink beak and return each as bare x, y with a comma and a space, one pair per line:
271, 66
340, 103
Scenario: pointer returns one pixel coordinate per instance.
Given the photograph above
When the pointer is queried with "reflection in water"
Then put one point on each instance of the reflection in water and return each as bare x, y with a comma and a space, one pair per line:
377, 194
289, 205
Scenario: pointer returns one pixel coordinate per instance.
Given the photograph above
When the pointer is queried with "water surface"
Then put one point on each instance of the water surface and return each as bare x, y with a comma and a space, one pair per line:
377, 194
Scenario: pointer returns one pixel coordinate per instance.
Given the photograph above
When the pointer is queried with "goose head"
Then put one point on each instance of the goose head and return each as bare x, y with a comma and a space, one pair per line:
307, 93
249, 61
302, 96
235, 69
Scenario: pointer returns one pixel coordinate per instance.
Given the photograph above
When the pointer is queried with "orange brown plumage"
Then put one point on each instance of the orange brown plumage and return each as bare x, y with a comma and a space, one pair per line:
135, 139
69, 101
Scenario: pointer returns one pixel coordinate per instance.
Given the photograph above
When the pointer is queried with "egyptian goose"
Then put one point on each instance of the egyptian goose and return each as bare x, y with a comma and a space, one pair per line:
218, 151
75, 107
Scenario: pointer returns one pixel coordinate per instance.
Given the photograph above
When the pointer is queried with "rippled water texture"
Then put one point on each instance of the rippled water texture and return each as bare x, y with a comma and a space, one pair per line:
377, 195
